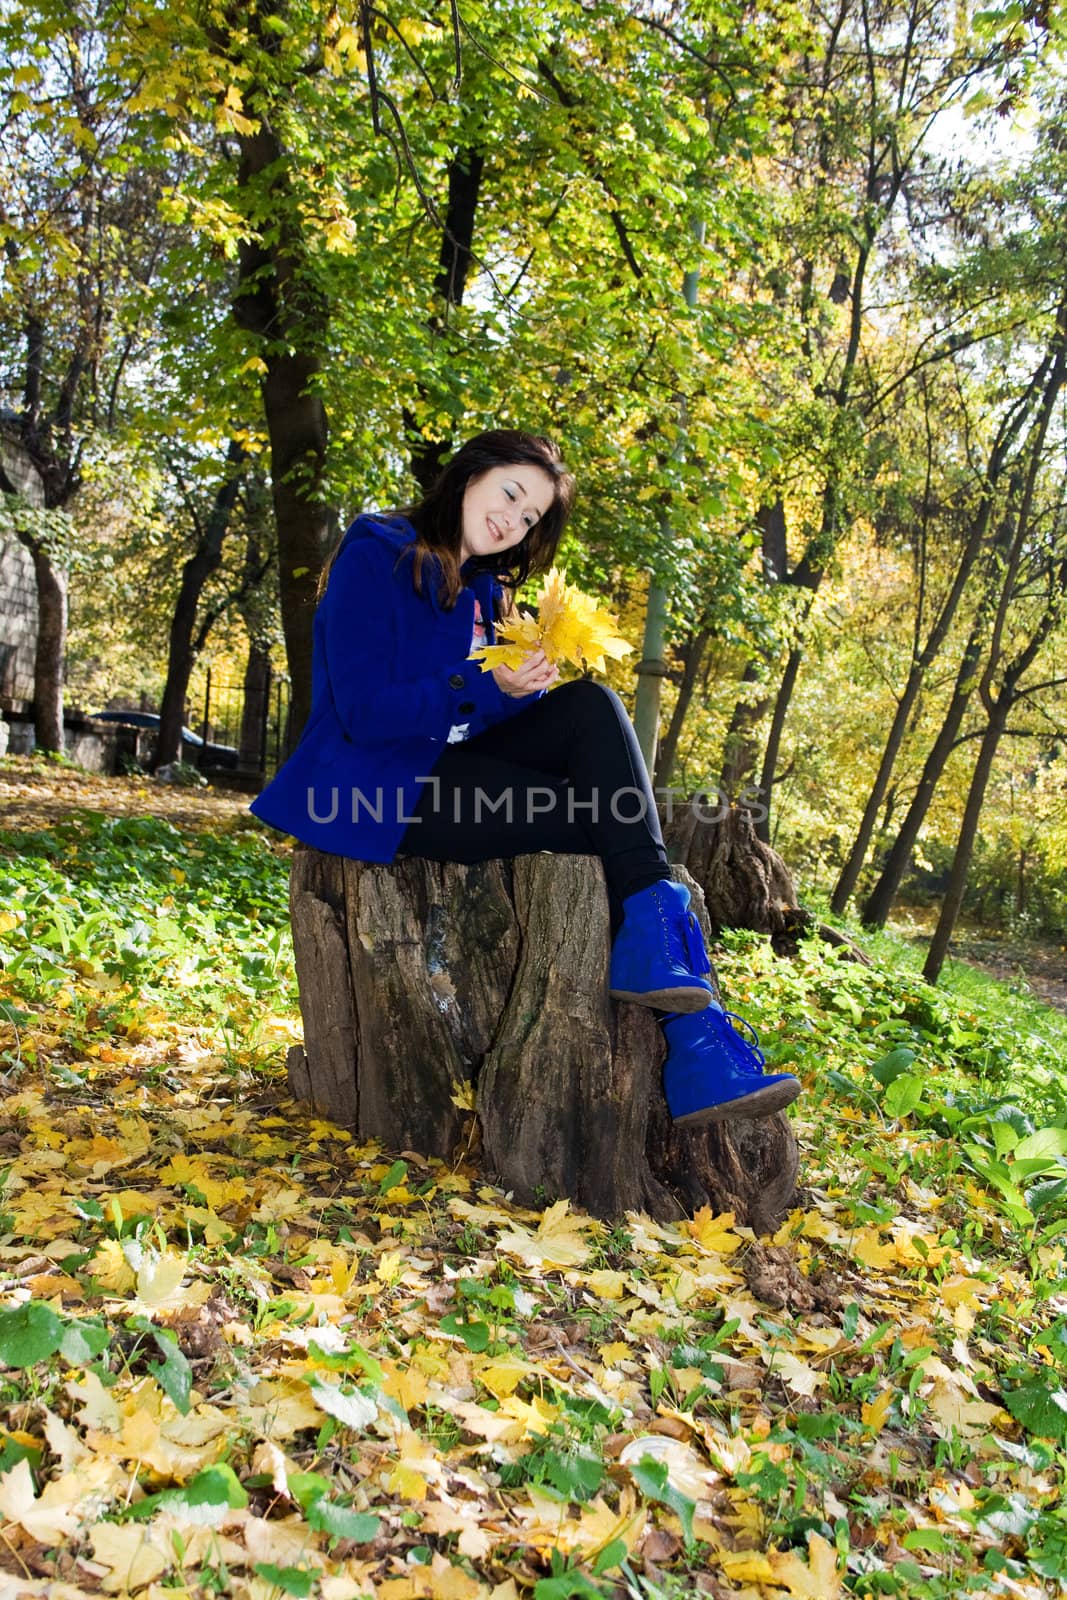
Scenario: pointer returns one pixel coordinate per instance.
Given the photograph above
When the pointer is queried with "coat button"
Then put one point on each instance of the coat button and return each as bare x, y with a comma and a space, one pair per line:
466, 707
456, 681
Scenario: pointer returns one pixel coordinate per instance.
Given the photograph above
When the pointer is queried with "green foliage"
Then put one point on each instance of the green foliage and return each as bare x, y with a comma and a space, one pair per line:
1041, 1407
28, 1334
115, 912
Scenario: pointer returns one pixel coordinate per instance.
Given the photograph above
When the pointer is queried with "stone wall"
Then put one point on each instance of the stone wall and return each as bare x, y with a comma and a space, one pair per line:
18, 588
18, 622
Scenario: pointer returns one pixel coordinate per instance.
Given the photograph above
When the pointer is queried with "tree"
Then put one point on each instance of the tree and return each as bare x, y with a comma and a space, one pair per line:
1022, 269
80, 243
930, 633
211, 530
864, 97
1028, 611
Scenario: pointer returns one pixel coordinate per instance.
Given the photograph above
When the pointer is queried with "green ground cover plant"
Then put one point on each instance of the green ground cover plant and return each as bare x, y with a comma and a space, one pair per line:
240, 1354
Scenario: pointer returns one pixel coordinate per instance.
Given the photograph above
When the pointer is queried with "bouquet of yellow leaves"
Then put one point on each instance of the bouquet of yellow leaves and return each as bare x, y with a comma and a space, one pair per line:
569, 626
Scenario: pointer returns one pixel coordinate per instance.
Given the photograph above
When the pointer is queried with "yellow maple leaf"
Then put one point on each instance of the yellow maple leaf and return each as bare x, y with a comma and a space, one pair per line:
560, 1241
404, 1383
605, 1284
746, 1566
110, 1268
569, 626
502, 1375
952, 1409
797, 1374
99, 1154
185, 1173
389, 1267
959, 1290
159, 1278
452, 1583
714, 1232
53, 1517
99, 1408
215, 1230
868, 1248
814, 1579
534, 1417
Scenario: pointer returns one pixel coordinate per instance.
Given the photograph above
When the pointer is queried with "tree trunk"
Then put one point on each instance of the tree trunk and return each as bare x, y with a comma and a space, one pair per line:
739, 750
879, 902
774, 739
1044, 385
181, 655
852, 868
256, 609
427, 989
251, 752
457, 244
692, 660
277, 301
961, 861
51, 648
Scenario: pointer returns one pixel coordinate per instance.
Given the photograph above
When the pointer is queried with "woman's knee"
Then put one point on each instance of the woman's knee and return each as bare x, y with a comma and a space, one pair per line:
586, 699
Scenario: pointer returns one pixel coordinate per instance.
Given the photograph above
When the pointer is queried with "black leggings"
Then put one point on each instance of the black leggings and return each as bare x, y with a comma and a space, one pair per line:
565, 775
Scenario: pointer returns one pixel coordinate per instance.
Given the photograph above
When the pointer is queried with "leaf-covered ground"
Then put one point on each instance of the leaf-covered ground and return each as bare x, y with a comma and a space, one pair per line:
240, 1354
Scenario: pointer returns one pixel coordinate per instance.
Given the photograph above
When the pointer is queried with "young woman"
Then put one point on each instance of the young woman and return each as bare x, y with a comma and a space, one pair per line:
412, 749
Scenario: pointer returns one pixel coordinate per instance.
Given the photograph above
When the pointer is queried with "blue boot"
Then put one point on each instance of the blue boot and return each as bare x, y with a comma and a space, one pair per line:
712, 1073
658, 958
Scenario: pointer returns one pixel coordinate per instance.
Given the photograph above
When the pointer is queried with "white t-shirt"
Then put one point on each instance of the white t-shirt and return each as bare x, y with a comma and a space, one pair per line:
461, 730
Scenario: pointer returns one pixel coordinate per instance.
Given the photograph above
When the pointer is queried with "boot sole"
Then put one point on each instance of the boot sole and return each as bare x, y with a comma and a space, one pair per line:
761, 1103
688, 999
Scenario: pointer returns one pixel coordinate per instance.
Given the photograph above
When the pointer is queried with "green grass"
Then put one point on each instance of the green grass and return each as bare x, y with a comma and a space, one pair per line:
126, 921
139, 963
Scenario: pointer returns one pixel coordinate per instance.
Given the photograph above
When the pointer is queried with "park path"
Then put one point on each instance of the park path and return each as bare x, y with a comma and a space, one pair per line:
33, 796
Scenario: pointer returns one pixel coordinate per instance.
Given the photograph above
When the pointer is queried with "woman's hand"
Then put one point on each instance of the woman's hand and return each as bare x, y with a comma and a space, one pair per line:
536, 673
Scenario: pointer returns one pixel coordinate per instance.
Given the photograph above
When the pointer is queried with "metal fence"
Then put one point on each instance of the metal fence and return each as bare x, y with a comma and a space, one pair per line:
246, 721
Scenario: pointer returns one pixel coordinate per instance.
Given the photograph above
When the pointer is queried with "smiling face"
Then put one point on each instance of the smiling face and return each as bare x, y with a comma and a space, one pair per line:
501, 506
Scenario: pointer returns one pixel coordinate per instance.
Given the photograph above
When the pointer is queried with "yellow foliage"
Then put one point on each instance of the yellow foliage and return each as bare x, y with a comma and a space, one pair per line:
713, 1232
569, 626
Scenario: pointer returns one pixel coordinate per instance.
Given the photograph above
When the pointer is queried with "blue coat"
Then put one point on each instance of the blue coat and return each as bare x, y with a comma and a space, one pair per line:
390, 678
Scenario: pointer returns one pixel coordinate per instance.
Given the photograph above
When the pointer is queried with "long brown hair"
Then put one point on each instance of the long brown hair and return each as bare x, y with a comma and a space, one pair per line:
438, 518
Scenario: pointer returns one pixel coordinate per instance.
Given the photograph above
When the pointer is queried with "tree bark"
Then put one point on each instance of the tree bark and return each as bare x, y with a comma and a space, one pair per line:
961, 860
429, 988
50, 649
692, 653
457, 244
745, 884
277, 301
181, 655
879, 902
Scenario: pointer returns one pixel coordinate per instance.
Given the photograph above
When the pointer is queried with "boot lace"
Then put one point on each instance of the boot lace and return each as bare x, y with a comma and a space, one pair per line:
688, 942
748, 1056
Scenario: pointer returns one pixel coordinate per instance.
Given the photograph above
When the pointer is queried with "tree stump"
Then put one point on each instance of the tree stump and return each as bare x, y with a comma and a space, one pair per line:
746, 883
427, 989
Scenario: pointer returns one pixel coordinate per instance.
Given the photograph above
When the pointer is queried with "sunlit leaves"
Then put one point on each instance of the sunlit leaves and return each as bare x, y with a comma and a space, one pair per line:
569, 627
641, 1406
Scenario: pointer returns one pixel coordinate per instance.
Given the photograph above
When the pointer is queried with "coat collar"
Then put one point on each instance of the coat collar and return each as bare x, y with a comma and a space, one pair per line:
399, 535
